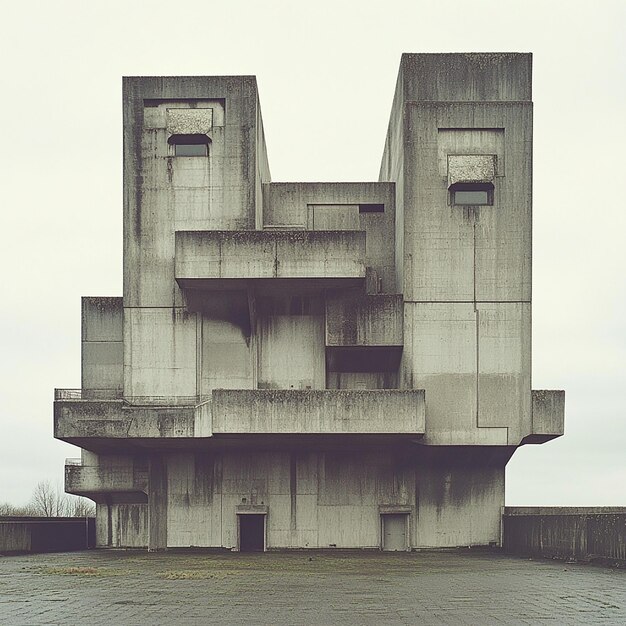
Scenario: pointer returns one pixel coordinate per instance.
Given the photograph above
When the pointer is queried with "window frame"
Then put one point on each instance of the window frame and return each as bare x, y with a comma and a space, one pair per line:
174, 141
487, 188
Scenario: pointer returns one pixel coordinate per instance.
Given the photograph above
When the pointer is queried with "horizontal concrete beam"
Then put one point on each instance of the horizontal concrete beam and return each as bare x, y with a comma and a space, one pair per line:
266, 411
203, 256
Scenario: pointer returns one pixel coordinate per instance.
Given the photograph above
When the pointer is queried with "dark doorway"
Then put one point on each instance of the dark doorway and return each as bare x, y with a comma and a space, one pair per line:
251, 533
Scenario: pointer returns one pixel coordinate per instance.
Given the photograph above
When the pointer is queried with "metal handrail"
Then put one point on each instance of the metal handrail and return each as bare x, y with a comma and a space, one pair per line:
87, 394
133, 401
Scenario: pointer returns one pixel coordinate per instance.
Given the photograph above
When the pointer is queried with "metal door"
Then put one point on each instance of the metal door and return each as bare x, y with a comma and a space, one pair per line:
394, 528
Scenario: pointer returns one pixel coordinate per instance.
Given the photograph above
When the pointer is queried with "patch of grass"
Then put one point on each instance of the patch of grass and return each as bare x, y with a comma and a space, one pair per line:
191, 575
78, 571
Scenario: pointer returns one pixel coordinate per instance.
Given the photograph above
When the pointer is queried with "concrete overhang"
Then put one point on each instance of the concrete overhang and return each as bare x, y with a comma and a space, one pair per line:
222, 260
548, 415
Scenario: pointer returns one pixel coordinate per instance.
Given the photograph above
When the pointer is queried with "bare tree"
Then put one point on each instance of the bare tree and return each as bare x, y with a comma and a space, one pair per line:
7, 509
50, 501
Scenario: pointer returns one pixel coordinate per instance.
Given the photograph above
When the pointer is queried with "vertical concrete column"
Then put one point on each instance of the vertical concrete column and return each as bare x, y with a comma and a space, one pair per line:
157, 504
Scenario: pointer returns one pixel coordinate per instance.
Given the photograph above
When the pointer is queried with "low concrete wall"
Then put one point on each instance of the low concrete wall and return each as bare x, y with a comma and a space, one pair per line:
584, 533
46, 534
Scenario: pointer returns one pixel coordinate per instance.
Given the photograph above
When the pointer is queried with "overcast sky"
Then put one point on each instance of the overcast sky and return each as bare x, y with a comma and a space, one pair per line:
326, 73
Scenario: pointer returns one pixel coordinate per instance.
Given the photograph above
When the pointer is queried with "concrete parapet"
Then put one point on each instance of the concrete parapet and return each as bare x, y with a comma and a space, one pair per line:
584, 533
99, 481
46, 534
82, 421
318, 412
203, 256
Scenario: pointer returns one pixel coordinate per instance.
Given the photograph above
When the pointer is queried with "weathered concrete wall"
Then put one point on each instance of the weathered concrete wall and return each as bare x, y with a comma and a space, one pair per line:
160, 353
102, 353
466, 270
46, 534
291, 352
492, 76
566, 532
228, 356
355, 319
332, 498
160, 199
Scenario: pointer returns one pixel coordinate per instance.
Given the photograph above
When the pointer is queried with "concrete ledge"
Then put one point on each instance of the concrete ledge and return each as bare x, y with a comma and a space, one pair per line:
203, 256
318, 412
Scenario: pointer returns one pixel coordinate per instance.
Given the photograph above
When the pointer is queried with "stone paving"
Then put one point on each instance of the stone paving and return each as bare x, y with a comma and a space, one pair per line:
116, 587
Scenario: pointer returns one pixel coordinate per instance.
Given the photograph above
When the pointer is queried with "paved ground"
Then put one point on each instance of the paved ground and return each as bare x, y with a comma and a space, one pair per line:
115, 588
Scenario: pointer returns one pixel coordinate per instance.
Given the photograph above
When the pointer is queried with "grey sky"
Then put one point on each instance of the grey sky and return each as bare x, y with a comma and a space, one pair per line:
326, 74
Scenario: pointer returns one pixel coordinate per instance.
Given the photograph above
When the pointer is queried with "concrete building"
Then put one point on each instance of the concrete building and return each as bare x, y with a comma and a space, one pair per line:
314, 365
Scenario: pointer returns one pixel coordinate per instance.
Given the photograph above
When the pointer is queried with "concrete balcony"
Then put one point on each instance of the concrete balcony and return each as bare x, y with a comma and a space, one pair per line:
107, 424
222, 260
127, 483
239, 416
548, 415
318, 412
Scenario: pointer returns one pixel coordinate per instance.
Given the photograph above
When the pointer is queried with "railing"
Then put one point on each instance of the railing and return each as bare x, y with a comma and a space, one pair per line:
133, 401
87, 394
73, 461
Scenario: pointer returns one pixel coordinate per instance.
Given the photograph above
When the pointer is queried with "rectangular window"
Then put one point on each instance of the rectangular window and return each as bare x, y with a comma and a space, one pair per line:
471, 197
471, 194
371, 208
190, 149
189, 145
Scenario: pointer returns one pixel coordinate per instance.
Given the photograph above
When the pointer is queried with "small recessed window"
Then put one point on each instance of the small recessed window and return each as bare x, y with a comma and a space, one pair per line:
471, 194
190, 145
371, 208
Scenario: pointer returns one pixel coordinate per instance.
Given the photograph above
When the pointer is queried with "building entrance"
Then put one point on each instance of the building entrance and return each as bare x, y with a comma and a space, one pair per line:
251, 532
394, 529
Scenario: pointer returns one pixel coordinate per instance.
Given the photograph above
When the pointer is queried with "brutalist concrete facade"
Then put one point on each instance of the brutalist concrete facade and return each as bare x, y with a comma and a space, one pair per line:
315, 365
